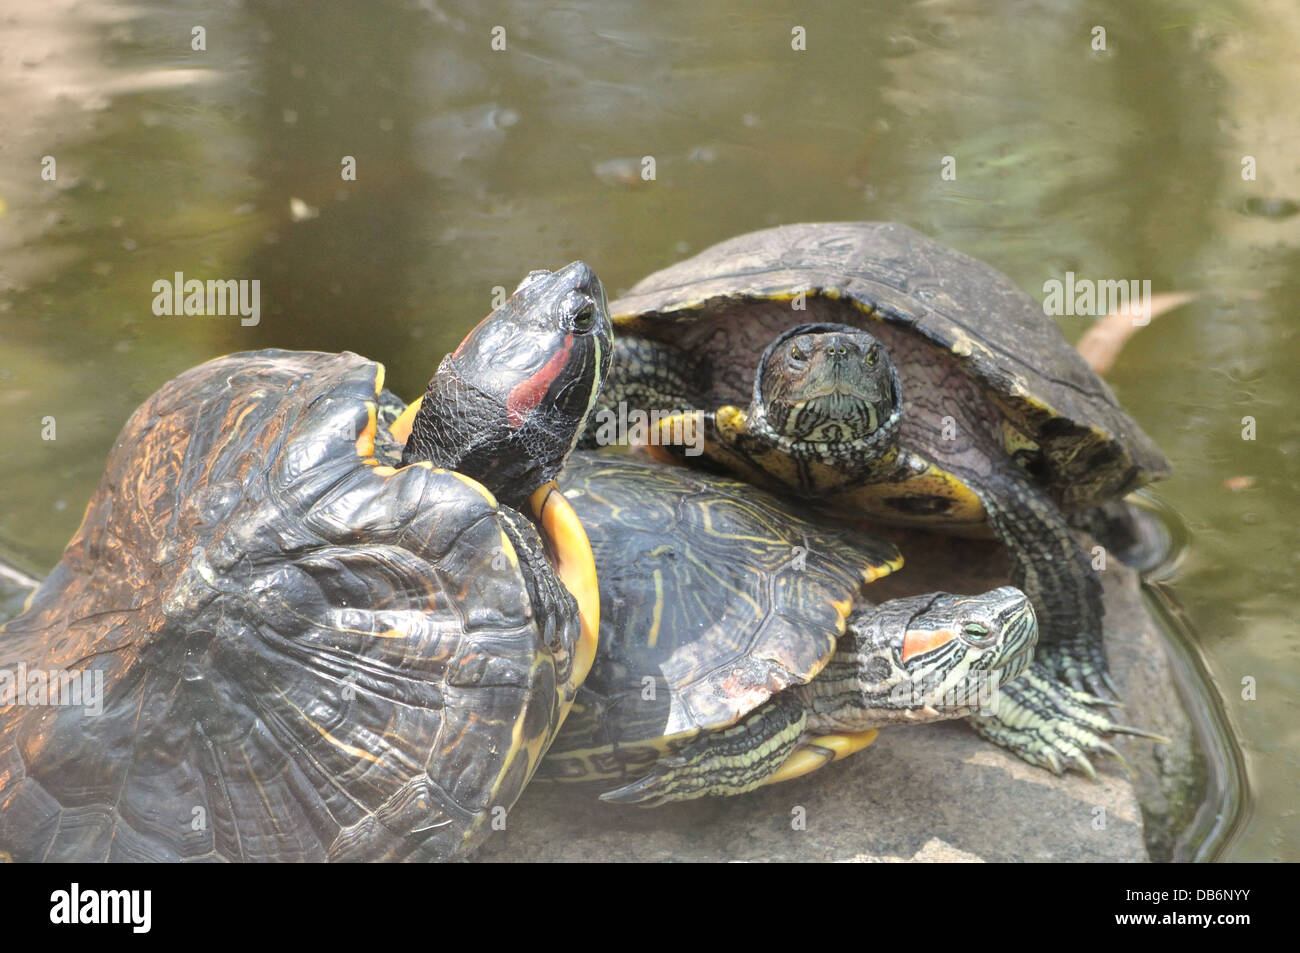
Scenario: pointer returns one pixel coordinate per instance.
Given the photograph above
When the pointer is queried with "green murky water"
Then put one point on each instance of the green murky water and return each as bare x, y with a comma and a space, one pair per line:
475, 165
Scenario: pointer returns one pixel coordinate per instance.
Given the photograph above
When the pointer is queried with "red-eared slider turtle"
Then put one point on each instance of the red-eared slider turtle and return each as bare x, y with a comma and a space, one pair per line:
287, 648
883, 375
736, 648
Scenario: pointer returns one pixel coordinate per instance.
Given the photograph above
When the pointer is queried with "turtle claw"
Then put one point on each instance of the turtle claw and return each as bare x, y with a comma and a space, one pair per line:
1096, 701
1046, 722
1084, 765
1102, 688
1141, 733
1105, 748
651, 791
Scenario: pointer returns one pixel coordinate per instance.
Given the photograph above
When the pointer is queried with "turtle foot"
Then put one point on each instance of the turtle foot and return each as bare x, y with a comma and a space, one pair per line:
667, 782
735, 760
1082, 666
1052, 725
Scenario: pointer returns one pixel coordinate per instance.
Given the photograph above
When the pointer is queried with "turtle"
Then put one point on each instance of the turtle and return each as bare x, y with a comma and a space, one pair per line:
883, 376
738, 647
307, 622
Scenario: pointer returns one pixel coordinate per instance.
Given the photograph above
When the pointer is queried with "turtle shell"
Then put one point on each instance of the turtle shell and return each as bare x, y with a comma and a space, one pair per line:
286, 650
715, 595
929, 305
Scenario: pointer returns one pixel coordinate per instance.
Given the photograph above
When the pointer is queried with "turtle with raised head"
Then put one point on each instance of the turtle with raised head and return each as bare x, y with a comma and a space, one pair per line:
289, 642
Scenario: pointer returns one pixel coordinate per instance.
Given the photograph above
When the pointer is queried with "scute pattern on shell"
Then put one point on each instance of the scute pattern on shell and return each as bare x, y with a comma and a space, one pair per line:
717, 591
916, 287
303, 658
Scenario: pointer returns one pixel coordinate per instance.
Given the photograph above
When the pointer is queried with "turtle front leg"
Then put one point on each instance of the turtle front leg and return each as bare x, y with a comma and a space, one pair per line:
1050, 566
1052, 716
734, 760
1052, 725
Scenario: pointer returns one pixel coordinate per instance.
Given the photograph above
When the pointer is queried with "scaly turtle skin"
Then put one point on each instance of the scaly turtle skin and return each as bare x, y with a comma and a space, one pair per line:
294, 650
736, 649
881, 374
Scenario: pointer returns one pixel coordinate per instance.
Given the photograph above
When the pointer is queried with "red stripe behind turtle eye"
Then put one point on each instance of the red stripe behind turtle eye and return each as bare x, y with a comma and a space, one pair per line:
528, 393
919, 641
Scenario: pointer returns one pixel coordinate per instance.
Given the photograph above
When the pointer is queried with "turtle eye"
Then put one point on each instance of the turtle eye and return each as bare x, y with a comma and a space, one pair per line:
872, 357
798, 354
977, 633
584, 319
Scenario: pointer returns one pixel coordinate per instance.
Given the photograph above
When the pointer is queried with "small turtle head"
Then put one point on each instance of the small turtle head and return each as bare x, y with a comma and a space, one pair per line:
828, 384
509, 403
926, 658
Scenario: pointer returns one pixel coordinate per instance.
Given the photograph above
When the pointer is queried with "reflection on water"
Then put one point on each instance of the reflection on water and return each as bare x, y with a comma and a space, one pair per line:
474, 166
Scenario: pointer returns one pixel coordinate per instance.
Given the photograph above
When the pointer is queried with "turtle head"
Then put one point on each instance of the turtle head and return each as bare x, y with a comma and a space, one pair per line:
830, 385
508, 404
926, 658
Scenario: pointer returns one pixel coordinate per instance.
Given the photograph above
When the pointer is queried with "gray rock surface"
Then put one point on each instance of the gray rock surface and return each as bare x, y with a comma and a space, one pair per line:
936, 793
